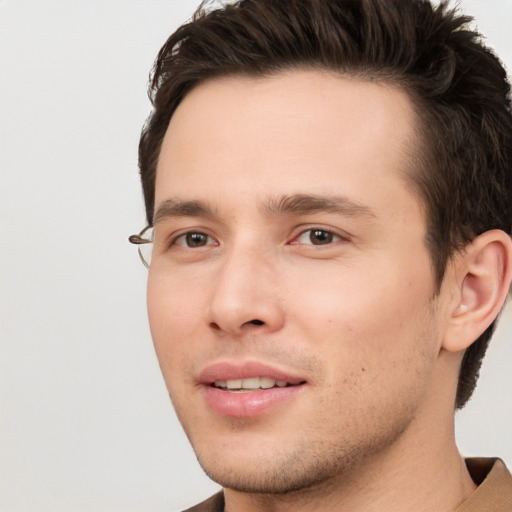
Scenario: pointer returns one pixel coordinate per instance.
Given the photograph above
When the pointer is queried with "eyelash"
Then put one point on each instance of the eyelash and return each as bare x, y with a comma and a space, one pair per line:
330, 236
185, 237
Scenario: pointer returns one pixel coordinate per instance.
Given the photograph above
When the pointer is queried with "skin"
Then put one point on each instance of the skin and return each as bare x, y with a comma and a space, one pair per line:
357, 318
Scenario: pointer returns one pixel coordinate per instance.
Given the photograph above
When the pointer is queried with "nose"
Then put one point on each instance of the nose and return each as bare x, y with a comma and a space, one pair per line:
245, 295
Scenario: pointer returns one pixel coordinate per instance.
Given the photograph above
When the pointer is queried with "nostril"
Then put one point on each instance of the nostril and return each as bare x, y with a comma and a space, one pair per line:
218, 327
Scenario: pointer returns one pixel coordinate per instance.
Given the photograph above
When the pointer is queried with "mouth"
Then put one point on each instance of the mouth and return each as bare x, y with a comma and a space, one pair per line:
251, 384
248, 389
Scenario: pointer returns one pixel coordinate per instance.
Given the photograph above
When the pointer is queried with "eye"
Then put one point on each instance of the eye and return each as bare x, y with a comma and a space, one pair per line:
194, 239
317, 236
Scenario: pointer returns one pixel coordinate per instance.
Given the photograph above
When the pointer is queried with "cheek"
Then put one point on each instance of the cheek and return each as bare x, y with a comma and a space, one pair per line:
172, 312
377, 354
173, 302
361, 320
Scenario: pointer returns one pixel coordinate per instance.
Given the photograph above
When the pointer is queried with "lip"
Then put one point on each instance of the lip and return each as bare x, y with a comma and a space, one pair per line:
245, 370
247, 404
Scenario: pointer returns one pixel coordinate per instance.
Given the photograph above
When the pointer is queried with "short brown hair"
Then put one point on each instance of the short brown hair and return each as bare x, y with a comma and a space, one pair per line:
458, 86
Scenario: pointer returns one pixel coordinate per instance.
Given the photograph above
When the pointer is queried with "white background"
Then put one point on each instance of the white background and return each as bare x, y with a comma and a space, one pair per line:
85, 421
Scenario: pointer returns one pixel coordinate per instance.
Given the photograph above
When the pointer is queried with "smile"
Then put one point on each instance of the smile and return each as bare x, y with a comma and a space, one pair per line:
249, 385
247, 389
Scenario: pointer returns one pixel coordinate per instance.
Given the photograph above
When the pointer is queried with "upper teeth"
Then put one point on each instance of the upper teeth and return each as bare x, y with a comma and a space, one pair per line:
251, 383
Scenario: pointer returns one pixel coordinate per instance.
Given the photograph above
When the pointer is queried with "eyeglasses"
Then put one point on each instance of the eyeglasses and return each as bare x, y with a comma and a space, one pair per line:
144, 241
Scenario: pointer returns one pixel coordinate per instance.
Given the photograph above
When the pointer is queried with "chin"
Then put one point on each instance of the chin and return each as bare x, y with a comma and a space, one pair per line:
269, 472
276, 478
270, 464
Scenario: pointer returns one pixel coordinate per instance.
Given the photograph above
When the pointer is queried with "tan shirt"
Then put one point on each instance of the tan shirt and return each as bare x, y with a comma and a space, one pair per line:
493, 494
494, 491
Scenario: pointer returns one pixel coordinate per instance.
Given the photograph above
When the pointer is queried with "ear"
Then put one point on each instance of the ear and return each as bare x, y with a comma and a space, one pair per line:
481, 281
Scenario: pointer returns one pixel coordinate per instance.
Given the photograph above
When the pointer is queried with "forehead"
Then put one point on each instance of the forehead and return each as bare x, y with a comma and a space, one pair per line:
285, 133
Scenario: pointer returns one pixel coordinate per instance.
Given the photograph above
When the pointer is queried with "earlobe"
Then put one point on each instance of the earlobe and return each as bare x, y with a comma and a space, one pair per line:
484, 273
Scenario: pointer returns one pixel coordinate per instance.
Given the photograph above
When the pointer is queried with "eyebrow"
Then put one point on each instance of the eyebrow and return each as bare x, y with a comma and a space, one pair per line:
303, 204
296, 204
177, 208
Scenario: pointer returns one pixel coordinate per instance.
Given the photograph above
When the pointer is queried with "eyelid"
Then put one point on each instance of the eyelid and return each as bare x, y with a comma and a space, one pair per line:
341, 235
182, 234
166, 237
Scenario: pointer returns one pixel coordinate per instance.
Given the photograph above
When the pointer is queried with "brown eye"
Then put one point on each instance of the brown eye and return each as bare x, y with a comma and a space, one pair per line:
317, 236
321, 236
194, 239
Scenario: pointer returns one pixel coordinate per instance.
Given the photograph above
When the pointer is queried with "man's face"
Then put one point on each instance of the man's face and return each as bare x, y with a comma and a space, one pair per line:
289, 252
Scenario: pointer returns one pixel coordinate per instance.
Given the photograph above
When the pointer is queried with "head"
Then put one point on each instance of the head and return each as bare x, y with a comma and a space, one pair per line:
458, 144
458, 87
